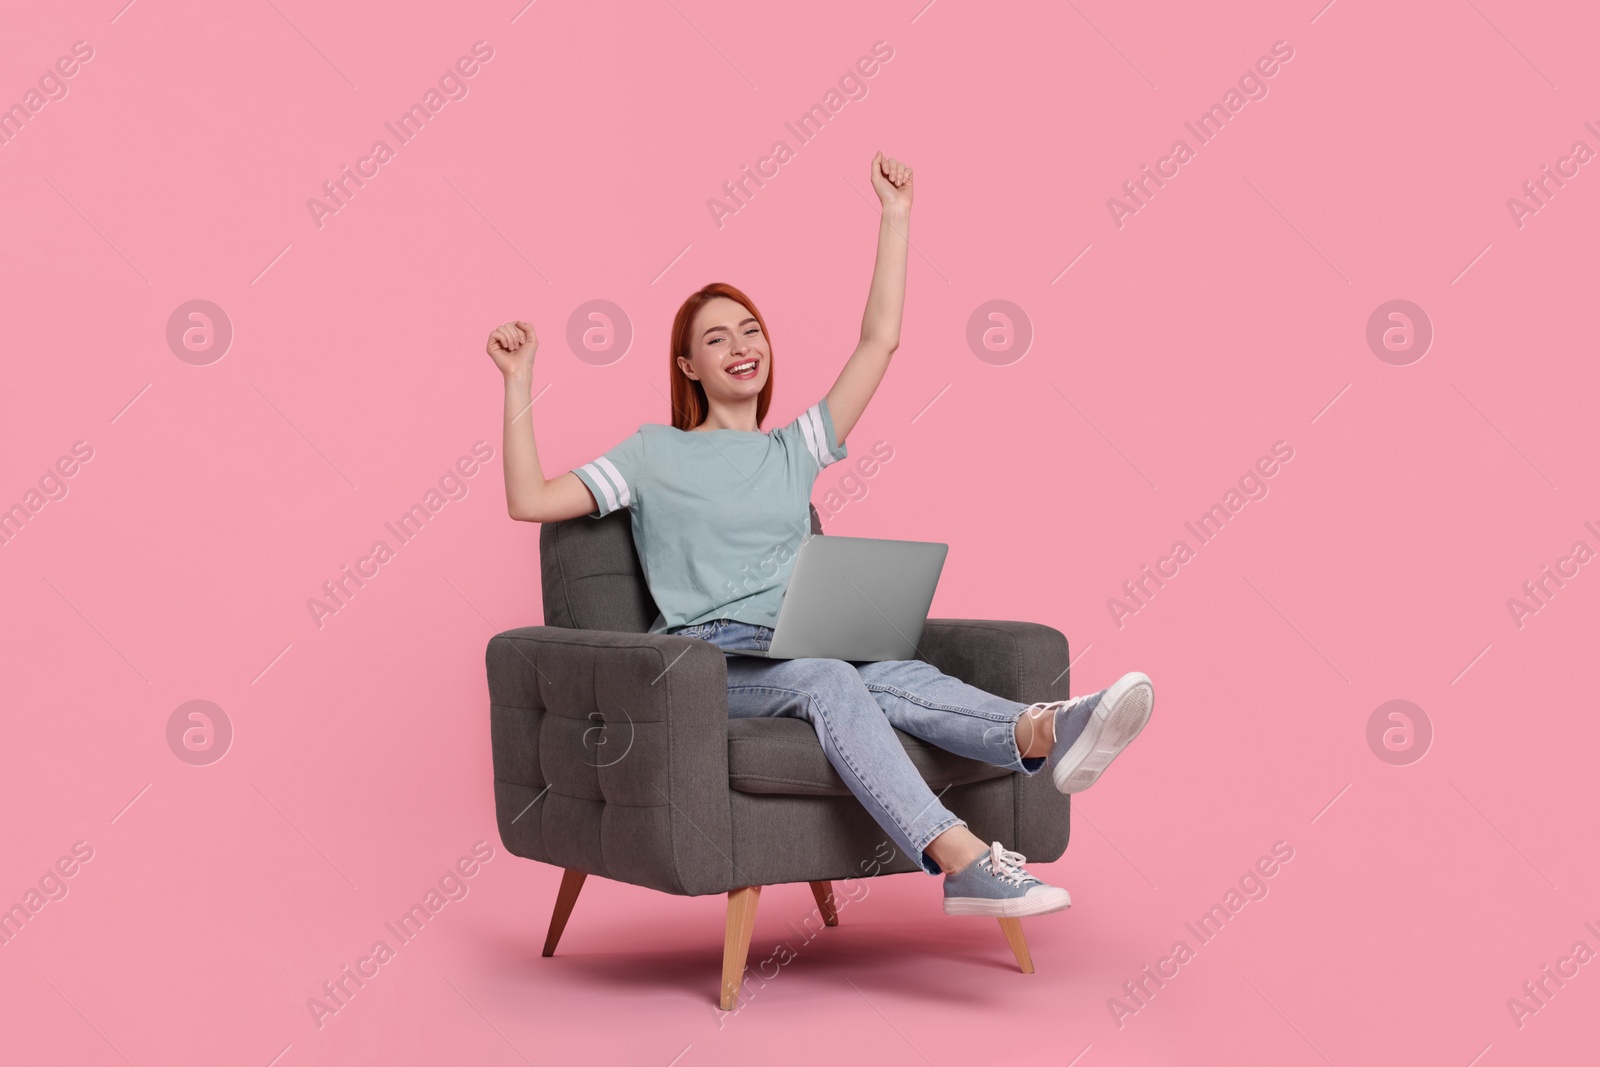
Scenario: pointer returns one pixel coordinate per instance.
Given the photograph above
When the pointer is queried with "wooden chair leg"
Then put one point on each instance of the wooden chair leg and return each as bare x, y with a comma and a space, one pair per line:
566, 897
1012, 928
736, 944
823, 891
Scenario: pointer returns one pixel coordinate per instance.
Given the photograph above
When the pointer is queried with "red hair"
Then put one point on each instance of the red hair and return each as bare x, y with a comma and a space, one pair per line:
689, 405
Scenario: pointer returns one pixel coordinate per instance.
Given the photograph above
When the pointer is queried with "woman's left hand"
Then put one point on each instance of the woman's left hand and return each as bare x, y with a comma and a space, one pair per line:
892, 180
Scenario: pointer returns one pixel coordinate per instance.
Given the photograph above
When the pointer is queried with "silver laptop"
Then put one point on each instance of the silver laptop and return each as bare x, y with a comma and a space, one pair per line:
855, 598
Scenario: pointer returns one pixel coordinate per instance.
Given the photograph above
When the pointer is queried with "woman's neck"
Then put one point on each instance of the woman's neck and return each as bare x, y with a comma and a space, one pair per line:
740, 416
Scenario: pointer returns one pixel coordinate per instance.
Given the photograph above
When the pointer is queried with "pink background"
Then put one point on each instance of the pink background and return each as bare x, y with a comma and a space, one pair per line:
1228, 314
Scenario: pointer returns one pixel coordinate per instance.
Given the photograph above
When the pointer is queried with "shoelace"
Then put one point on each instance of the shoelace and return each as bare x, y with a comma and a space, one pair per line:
1057, 708
1058, 705
1054, 707
1007, 865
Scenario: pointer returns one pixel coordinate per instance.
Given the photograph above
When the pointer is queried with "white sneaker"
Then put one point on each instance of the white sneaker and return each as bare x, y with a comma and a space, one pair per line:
1114, 717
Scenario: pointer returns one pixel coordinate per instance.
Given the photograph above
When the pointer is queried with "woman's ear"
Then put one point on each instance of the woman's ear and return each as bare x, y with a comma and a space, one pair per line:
688, 369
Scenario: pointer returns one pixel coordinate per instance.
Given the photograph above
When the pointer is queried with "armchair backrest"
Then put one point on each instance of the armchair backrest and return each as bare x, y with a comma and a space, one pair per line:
591, 575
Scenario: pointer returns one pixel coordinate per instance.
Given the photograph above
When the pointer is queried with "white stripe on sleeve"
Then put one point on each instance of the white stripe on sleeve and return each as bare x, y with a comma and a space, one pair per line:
824, 456
605, 487
808, 431
616, 477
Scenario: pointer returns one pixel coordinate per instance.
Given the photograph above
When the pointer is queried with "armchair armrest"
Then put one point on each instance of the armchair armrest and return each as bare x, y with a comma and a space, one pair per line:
611, 754
1025, 662
1021, 661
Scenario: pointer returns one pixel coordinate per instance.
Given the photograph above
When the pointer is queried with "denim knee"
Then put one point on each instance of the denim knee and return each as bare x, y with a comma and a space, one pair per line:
827, 677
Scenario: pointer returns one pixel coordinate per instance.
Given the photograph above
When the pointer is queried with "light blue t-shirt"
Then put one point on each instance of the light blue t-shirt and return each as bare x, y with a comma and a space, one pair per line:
718, 514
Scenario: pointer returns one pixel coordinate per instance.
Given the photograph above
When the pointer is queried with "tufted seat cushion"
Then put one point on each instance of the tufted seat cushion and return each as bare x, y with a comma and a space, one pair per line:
780, 755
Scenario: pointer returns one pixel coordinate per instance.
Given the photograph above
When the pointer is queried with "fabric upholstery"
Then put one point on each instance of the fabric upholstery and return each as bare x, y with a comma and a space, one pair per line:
619, 744
834, 837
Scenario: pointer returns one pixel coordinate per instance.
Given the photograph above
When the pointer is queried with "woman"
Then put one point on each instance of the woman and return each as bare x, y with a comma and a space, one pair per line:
719, 508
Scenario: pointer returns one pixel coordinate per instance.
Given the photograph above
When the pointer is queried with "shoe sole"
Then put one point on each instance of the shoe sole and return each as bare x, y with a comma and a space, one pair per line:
1117, 720
1008, 908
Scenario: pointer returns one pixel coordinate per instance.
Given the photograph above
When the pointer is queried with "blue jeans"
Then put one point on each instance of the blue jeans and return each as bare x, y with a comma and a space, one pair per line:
855, 709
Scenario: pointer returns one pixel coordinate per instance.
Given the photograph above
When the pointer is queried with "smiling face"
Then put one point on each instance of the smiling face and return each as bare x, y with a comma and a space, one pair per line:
728, 352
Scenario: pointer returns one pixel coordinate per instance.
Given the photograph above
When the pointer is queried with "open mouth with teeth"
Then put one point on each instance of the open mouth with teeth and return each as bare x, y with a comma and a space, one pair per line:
744, 370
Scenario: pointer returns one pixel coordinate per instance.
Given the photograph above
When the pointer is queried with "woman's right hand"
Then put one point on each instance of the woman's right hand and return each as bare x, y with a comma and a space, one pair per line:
512, 346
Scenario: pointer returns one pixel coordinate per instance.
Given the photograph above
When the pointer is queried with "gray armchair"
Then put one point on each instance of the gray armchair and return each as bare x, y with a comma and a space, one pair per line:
614, 754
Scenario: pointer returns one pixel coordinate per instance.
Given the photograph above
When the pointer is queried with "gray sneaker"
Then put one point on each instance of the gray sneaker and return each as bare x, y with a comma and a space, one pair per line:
1093, 729
995, 884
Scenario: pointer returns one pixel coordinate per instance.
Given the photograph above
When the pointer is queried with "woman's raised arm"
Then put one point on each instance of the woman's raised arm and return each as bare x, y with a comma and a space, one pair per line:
529, 497
886, 299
